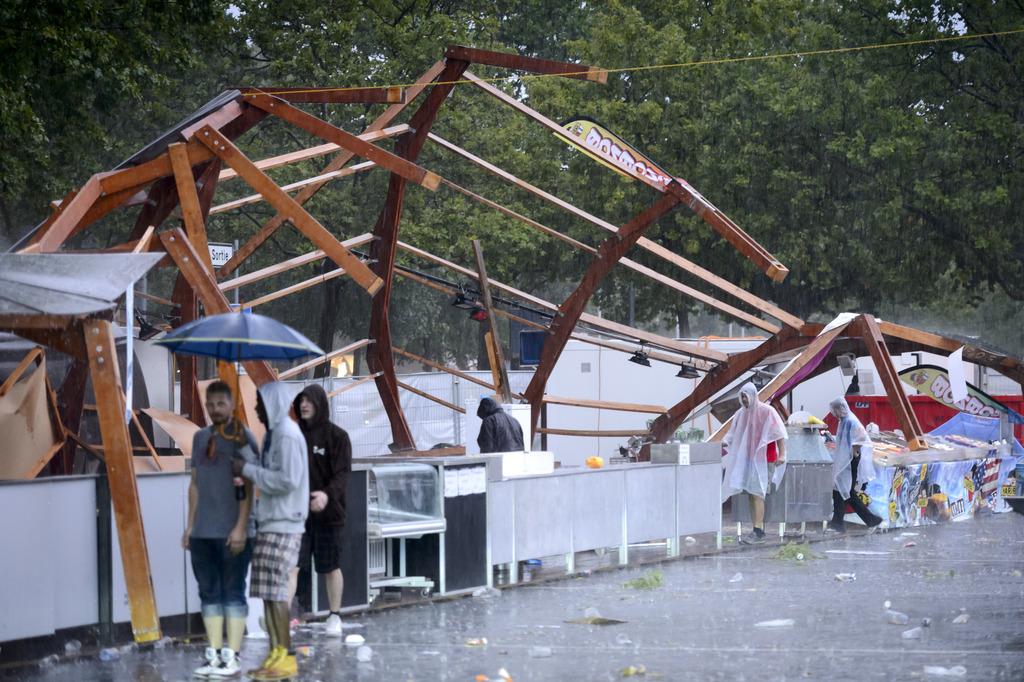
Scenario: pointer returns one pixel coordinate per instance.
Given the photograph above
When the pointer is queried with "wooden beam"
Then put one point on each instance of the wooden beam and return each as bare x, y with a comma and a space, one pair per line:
494, 341
317, 151
34, 355
591, 320
898, 400
315, 362
205, 287
532, 64
604, 405
63, 339
733, 233
591, 433
160, 167
217, 118
325, 131
53, 236
191, 213
1010, 367
268, 228
145, 441
294, 288
349, 387
106, 382
298, 216
424, 394
394, 95
291, 187
450, 370
291, 263
648, 245
142, 246
143, 174
70, 401
571, 311
383, 252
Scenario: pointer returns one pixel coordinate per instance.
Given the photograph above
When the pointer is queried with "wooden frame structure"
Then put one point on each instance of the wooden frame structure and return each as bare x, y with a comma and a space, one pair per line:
183, 171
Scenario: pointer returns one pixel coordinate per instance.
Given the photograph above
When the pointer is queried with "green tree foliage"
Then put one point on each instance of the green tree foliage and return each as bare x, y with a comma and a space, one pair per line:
888, 180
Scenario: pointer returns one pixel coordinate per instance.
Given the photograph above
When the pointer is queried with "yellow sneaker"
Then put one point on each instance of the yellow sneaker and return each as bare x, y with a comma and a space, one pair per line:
282, 668
275, 654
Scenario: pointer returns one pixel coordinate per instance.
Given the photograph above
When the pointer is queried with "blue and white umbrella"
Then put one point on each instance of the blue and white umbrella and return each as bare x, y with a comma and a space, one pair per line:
236, 337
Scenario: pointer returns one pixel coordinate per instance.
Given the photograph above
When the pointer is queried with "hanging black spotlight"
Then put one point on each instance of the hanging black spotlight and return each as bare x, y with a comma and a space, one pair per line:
687, 371
463, 302
640, 357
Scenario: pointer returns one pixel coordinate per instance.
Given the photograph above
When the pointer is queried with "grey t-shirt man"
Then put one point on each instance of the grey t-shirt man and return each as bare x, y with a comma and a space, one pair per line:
217, 510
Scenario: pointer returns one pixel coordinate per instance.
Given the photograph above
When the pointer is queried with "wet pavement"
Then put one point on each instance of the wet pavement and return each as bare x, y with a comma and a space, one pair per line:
697, 619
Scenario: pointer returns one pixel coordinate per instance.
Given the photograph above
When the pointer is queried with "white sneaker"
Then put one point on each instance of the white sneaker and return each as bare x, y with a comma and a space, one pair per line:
332, 626
229, 666
212, 664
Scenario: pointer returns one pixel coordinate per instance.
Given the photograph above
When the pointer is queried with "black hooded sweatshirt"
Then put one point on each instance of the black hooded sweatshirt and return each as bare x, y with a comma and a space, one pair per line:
330, 457
498, 431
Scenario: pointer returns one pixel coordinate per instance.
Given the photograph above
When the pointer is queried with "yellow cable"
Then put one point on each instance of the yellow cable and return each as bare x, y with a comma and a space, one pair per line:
679, 65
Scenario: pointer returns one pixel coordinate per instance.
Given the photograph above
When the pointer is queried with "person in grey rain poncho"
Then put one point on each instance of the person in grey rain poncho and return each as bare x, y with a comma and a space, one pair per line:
852, 465
756, 442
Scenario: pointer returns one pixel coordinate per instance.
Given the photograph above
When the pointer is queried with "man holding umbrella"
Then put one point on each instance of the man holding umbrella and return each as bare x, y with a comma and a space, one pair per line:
219, 532
280, 471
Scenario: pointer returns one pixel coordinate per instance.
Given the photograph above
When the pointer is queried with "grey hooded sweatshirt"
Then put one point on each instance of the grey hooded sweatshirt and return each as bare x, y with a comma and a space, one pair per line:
281, 472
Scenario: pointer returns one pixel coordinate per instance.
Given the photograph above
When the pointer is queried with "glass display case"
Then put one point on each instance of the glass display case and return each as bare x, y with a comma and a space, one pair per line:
404, 501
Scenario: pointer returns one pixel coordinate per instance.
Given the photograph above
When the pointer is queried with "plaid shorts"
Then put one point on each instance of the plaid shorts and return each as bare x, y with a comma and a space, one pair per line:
274, 555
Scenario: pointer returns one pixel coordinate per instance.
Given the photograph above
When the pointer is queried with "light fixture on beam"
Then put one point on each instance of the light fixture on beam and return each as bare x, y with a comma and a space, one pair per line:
687, 371
463, 302
478, 314
640, 357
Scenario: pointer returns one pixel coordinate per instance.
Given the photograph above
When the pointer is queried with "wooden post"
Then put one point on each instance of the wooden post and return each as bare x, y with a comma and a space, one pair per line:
117, 450
498, 368
378, 356
879, 352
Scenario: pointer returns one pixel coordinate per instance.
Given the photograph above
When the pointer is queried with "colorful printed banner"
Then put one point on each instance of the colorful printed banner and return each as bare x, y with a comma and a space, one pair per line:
607, 148
934, 382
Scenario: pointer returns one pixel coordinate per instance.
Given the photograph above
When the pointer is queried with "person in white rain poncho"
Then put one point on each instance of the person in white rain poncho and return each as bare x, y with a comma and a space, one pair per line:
852, 465
756, 442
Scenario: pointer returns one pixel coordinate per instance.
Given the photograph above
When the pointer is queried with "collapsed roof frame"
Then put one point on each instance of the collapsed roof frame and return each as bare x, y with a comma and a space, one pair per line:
185, 166
188, 171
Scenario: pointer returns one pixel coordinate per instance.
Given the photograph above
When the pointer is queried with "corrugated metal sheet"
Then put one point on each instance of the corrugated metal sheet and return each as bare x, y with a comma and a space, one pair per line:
68, 284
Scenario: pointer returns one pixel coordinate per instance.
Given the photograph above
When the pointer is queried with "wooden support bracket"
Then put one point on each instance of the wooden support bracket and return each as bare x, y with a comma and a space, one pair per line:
325, 131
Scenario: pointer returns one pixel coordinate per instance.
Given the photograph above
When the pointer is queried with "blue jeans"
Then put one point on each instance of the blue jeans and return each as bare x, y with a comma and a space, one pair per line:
221, 576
